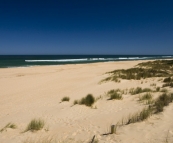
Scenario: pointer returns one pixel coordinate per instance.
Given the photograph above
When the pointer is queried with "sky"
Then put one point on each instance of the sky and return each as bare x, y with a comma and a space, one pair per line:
116, 27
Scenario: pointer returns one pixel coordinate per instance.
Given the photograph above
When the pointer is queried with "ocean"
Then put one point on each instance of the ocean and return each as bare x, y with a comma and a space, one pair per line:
10, 61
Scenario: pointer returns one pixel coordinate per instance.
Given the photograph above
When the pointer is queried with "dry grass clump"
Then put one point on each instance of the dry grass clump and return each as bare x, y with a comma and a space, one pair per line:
139, 116
35, 125
115, 94
164, 90
75, 102
9, 125
65, 99
138, 90
157, 89
155, 107
146, 96
162, 101
88, 100
168, 82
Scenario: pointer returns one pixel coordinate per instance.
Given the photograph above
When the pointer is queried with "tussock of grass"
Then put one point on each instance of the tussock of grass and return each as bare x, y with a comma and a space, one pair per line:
35, 125
115, 94
157, 89
155, 107
146, 96
140, 116
75, 102
9, 125
164, 90
170, 84
153, 84
88, 100
162, 101
65, 99
138, 90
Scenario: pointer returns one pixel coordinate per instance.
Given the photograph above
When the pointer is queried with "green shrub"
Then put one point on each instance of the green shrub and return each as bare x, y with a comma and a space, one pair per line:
88, 100
65, 99
35, 124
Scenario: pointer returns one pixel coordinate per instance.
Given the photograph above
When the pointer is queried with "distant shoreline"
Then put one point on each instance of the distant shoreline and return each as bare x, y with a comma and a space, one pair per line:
29, 61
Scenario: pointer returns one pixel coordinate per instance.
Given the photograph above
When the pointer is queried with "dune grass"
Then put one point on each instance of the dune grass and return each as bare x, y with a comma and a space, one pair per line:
154, 108
170, 84
164, 90
88, 100
157, 89
138, 90
159, 68
35, 125
9, 125
115, 94
65, 99
139, 116
163, 100
147, 96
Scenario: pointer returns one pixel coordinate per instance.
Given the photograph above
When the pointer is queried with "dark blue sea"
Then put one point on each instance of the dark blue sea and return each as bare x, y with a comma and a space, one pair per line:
9, 61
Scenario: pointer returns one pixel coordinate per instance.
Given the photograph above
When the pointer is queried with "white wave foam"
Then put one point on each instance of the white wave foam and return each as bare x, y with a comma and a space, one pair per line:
63, 60
167, 56
123, 58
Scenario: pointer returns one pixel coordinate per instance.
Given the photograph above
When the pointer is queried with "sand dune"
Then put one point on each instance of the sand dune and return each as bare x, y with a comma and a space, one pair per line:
36, 92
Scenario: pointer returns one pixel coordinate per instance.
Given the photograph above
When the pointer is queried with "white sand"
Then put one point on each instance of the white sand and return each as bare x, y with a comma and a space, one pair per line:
36, 92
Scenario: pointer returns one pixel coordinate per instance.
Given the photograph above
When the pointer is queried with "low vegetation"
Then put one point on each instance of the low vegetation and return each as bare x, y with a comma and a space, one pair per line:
158, 68
9, 125
162, 101
35, 125
156, 107
168, 79
88, 100
139, 116
115, 94
138, 90
157, 89
146, 96
164, 90
65, 99
168, 82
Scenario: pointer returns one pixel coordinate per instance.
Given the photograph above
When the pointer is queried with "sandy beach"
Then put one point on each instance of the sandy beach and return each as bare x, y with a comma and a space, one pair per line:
36, 92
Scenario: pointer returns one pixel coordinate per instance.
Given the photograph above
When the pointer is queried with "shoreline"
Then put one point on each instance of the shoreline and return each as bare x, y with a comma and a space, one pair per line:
32, 66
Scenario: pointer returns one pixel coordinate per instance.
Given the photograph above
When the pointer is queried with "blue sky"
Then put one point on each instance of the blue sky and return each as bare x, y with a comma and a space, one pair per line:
86, 27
